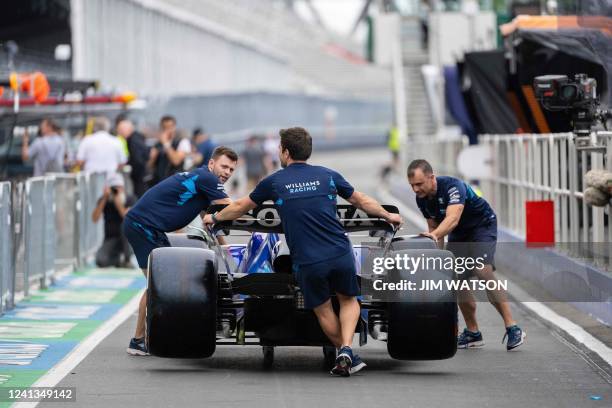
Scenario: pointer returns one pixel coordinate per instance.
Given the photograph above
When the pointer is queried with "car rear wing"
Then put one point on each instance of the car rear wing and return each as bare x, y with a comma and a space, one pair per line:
265, 218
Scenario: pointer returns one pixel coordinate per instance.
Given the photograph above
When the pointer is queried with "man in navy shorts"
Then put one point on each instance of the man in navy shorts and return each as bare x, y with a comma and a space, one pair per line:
169, 206
305, 197
453, 209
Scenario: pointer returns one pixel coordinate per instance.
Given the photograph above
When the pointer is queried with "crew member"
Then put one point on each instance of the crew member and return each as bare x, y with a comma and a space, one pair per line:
169, 206
323, 264
453, 209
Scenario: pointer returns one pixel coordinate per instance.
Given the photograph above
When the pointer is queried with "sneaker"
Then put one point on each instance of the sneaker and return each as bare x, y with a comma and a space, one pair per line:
344, 361
357, 364
469, 339
515, 337
137, 347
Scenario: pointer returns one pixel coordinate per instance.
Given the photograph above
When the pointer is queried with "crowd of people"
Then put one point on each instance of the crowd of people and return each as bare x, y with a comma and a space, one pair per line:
133, 163
144, 159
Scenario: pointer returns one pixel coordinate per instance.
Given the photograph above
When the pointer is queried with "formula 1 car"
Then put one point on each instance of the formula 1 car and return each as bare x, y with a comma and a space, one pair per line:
202, 294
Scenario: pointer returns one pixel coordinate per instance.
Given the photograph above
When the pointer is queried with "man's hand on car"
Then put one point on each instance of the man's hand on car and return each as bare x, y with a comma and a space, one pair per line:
429, 235
395, 219
207, 220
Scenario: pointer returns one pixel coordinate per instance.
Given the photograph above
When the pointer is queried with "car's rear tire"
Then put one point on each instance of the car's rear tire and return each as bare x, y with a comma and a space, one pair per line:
329, 357
186, 241
424, 326
268, 356
412, 242
181, 303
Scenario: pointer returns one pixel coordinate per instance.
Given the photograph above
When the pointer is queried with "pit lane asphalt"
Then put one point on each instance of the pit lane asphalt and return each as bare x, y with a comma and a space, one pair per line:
546, 371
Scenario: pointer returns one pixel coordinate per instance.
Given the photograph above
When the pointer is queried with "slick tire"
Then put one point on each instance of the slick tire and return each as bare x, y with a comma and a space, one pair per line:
422, 324
185, 241
181, 312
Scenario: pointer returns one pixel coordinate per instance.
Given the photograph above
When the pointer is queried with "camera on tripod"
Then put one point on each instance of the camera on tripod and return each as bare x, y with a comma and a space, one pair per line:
557, 93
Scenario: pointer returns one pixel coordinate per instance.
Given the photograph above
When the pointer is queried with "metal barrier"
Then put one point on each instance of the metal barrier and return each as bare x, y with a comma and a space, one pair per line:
6, 248
46, 227
537, 167
66, 221
35, 229
440, 153
547, 167
18, 255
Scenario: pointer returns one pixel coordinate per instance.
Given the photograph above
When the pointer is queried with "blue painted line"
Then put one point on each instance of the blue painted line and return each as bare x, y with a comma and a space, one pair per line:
40, 318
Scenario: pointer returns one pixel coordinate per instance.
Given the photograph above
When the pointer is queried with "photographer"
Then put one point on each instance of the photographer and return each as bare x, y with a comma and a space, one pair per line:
114, 204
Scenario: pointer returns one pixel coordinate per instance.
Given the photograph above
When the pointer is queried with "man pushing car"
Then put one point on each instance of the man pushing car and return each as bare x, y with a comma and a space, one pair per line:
169, 206
453, 209
323, 264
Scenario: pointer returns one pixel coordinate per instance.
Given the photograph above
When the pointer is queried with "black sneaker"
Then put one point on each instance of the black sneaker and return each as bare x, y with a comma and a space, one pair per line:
344, 361
469, 339
137, 347
515, 337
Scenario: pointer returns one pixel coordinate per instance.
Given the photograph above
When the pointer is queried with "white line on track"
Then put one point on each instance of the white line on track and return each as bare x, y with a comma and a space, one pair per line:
78, 354
541, 310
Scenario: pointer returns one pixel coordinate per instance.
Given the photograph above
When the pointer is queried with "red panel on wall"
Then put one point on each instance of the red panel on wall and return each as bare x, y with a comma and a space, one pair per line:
540, 216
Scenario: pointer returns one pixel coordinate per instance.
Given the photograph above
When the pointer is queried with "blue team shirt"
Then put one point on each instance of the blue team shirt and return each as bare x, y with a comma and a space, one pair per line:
305, 197
177, 200
450, 191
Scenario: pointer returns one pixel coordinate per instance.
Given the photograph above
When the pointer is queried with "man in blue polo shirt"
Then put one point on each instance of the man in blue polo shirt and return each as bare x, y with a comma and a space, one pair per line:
453, 209
305, 197
169, 206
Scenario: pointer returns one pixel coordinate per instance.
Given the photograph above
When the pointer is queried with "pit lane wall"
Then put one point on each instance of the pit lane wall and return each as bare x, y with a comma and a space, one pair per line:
45, 229
333, 122
578, 268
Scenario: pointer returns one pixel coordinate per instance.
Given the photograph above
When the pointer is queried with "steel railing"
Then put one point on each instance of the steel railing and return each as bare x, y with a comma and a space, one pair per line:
6, 249
530, 167
46, 228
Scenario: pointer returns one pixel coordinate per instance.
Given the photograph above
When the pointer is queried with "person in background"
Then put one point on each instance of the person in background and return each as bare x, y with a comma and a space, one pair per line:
120, 137
100, 151
204, 144
423, 13
167, 157
254, 157
393, 144
138, 153
271, 149
47, 151
113, 205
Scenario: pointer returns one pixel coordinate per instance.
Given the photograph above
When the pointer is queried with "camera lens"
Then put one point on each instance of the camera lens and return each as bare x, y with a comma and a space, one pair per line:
568, 92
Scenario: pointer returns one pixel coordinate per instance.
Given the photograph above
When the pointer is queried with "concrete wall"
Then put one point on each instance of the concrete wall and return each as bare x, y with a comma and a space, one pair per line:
154, 48
451, 34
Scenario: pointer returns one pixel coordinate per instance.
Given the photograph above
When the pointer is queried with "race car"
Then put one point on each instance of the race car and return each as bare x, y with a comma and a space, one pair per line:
202, 294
